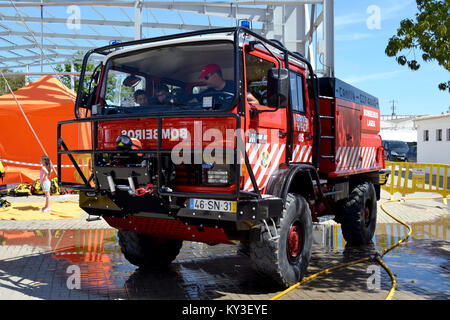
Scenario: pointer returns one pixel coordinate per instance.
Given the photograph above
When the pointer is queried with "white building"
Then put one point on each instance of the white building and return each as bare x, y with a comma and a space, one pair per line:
433, 138
398, 128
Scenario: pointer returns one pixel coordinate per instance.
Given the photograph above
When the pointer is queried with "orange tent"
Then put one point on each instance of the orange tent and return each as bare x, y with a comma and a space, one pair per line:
44, 102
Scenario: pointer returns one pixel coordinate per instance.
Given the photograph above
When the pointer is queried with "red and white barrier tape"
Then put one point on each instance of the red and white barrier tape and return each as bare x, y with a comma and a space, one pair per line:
38, 164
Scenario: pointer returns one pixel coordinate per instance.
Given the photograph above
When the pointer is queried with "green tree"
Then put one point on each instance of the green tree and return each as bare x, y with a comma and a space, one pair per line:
15, 82
429, 33
77, 64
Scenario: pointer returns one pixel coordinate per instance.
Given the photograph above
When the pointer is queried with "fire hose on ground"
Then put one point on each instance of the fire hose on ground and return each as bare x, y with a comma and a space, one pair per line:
375, 257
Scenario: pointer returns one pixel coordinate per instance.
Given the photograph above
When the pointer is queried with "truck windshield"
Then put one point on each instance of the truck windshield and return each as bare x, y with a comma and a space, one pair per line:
190, 76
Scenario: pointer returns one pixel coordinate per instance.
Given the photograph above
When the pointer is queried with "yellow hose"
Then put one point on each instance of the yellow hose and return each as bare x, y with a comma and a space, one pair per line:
325, 271
377, 258
394, 282
384, 251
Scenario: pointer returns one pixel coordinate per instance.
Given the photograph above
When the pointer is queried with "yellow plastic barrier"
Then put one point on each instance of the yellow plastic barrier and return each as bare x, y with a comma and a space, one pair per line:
84, 161
2, 170
408, 177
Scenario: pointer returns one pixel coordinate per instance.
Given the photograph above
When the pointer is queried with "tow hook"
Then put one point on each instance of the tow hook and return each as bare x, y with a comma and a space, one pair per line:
375, 256
149, 188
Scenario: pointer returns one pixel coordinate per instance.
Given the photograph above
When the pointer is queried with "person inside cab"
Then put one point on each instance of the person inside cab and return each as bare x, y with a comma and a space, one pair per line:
213, 79
140, 97
162, 95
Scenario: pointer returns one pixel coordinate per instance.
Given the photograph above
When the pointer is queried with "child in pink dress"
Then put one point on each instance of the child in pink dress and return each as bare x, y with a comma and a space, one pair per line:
46, 170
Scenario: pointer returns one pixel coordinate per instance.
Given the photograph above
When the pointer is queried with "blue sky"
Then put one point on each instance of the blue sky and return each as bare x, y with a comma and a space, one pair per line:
359, 50
361, 61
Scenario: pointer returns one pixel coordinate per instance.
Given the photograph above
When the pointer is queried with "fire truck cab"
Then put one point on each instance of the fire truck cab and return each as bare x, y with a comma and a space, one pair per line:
220, 136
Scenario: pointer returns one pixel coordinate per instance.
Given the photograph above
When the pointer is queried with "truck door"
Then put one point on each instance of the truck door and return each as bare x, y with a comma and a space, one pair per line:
266, 129
302, 135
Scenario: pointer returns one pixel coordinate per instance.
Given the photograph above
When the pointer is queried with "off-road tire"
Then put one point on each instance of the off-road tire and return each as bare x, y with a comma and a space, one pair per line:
145, 251
276, 258
358, 215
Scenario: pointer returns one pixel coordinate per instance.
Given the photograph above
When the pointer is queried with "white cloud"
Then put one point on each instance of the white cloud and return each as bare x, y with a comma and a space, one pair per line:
396, 6
352, 37
374, 76
349, 19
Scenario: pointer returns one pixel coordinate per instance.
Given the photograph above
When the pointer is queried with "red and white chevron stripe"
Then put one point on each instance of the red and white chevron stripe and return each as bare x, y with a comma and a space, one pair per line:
264, 159
351, 158
302, 153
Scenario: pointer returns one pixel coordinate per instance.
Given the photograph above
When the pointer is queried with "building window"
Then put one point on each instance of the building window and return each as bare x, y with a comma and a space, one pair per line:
448, 134
425, 135
438, 134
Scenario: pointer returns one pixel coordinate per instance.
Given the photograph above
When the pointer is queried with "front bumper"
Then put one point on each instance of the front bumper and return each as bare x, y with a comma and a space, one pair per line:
248, 210
399, 157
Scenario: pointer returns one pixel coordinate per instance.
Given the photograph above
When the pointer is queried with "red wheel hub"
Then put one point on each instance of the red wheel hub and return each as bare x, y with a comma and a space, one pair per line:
295, 241
366, 213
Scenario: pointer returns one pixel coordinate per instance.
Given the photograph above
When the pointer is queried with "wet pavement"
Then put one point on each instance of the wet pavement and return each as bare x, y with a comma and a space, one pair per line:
88, 264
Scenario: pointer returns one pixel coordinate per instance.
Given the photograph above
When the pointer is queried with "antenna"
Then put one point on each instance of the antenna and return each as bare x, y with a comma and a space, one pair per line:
393, 108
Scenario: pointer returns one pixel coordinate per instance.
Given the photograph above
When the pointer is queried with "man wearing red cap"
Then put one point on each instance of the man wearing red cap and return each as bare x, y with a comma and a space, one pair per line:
212, 76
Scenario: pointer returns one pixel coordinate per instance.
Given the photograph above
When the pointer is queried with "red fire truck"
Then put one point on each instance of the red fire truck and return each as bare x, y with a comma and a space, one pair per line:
222, 136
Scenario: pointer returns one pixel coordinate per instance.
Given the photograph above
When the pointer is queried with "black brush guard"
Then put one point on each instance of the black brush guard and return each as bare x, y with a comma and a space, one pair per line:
62, 149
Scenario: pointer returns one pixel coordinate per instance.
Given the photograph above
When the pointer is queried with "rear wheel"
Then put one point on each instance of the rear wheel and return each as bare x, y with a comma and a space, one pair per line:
358, 215
286, 258
145, 251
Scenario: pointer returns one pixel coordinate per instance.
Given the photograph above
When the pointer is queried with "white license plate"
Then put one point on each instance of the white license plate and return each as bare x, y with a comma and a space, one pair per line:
212, 205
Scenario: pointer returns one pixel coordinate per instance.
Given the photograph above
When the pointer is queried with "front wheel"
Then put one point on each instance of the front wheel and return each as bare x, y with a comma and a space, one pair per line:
286, 258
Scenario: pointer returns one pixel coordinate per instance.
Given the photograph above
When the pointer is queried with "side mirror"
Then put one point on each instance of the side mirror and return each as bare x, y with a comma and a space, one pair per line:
278, 88
84, 100
88, 99
131, 81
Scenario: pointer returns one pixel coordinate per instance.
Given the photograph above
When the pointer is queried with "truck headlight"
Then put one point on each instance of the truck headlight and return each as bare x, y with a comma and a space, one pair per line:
217, 175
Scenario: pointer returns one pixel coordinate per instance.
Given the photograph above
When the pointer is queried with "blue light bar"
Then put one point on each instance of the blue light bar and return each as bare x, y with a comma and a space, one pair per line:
245, 24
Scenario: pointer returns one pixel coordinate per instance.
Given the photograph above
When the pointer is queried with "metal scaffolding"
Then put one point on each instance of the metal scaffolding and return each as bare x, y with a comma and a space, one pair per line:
38, 33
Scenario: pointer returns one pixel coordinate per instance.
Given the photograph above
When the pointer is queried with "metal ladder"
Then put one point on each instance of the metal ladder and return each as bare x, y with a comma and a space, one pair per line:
332, 119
